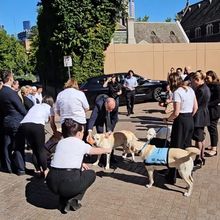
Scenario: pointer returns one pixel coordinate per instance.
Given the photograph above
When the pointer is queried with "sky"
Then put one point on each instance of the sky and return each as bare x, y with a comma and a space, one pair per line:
14, 12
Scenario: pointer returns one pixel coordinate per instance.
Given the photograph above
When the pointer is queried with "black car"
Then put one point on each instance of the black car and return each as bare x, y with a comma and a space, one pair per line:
147, 90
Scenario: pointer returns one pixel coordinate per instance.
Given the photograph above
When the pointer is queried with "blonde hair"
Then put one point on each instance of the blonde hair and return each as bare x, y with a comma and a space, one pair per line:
198, 75
71, 83
23, 90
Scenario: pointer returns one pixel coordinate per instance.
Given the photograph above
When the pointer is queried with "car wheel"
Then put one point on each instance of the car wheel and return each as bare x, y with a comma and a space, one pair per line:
157, 94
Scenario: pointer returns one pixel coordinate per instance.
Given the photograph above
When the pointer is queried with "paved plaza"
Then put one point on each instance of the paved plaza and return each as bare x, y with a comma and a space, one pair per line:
120, 193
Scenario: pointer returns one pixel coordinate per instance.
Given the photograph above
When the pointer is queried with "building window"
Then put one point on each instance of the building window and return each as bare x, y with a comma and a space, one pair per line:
198, 32
173, 37
209, 29
154, 38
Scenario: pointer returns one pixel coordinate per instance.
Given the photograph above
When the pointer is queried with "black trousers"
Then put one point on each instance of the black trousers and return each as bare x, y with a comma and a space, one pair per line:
213, 132
130, 98
8, 139
35, 135
181, 137
70, 184
182, 131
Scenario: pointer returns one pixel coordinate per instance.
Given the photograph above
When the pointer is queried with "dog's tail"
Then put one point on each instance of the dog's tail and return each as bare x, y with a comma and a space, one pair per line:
193, 151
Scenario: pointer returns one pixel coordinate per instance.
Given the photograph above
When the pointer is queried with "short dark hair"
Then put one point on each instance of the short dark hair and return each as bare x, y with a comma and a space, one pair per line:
70, 127
48, 100
39, 86
130, 71
5, 75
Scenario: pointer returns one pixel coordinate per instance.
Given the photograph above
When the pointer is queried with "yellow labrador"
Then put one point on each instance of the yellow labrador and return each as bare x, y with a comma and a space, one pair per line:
175, 158
116, 139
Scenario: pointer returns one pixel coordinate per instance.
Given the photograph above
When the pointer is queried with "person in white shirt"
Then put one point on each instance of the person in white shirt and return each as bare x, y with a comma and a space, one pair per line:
32, 128
184, 108
69, 177
72, 103
130, 83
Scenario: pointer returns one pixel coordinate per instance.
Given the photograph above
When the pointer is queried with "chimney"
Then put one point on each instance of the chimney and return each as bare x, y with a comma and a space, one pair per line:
131, 9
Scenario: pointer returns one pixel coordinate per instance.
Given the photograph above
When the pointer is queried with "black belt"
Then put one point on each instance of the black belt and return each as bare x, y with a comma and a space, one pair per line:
64, 169
186, 114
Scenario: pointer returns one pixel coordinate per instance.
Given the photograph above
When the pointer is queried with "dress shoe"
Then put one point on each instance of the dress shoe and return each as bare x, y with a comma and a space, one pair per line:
212, 153
132, 112
64, 206
128, 114
74, 204
20, 172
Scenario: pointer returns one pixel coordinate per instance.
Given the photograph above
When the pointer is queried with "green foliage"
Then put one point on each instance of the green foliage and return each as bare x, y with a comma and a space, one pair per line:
12, 55
82, 29
33, 52
168, 19
145, 18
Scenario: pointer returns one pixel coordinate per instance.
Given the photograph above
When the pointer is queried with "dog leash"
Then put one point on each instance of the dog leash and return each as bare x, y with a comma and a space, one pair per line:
144, 146
165, 144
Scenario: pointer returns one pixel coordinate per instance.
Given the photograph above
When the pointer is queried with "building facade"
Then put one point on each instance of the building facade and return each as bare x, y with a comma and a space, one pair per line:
201, 21
136, 32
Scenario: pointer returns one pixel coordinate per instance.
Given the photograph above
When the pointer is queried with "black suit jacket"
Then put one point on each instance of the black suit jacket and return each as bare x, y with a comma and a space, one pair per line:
11, 108
99, 115
201, 118
214, 102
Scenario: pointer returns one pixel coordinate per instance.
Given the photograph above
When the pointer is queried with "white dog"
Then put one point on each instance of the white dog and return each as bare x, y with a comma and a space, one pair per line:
116, 139
173, 157
161, 133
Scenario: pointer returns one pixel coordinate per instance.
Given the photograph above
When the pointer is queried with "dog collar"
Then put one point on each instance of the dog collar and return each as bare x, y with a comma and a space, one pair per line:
144, 146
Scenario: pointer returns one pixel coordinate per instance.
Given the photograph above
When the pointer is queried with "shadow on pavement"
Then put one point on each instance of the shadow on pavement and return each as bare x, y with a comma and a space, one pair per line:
138, 168
38, 194
154, 111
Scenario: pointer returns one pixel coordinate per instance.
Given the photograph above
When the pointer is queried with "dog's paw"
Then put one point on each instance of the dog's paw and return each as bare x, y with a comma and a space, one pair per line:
124, 156
187, 194
96, 163
107, 167
149, 186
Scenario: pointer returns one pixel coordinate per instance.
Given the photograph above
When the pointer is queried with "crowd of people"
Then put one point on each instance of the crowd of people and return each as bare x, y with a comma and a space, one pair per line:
196, 105
194, 96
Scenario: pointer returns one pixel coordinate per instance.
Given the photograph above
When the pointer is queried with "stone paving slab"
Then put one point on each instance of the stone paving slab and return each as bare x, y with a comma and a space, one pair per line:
119, 193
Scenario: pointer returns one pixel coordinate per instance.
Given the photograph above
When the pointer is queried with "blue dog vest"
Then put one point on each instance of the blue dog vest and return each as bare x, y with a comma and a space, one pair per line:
159, 156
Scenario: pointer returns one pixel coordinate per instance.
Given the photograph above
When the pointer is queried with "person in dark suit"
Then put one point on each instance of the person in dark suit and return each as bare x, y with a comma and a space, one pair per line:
104, 117
12, 112
214, 111
201, 118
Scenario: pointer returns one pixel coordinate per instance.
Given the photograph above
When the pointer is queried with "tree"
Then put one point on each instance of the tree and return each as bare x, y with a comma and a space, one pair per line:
82, 29
168, 19
34, 49
145, 18
13, 55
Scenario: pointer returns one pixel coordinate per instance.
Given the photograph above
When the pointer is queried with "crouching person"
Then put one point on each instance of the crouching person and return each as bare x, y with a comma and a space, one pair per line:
68, 176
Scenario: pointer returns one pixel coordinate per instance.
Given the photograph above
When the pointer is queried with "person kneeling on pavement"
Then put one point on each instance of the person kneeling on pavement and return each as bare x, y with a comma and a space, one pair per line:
69, 177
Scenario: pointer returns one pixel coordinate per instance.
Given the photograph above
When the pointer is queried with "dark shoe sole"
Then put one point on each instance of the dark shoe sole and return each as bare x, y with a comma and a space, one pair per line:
211, 155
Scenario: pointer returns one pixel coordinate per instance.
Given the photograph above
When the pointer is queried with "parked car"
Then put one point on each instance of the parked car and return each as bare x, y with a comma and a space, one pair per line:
147, 90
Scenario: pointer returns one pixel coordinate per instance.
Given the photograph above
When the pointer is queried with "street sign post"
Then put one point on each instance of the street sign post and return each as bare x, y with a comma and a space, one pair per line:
67, 60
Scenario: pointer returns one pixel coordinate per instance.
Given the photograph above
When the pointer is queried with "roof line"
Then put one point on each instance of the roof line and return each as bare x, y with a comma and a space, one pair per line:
184, 33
